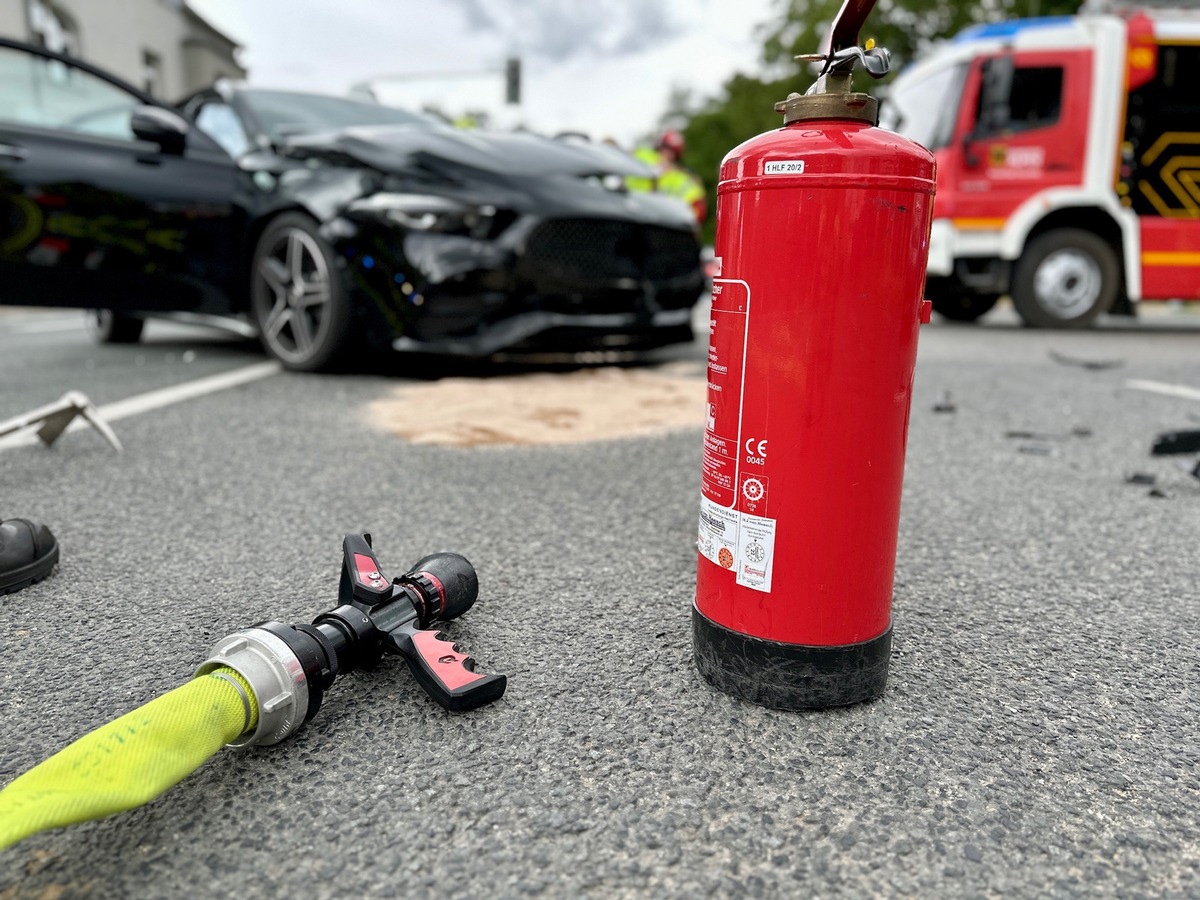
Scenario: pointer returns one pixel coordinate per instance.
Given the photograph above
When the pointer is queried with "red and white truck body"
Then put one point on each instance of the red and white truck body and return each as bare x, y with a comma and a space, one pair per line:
1068, 153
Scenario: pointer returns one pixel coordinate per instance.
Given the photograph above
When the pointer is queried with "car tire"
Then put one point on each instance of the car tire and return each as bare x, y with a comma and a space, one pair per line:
1065, 279
108, 327
954, 302
296, 296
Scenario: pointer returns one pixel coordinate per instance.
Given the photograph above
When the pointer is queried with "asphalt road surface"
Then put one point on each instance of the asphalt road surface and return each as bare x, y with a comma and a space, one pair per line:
1038, 737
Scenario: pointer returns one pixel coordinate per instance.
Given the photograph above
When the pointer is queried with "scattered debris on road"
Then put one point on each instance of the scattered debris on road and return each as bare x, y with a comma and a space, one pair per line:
55, 417
1170, 443
1094, 365
1079, 431
945, 404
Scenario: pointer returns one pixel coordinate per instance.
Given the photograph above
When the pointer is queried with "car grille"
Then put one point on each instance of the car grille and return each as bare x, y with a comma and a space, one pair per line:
595, 252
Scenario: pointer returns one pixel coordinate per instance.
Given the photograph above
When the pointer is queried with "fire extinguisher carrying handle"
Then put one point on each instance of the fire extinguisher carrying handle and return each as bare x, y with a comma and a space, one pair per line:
849, 22
841, 54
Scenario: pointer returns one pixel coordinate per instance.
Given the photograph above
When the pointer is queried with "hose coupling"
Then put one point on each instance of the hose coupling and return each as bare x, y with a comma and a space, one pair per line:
274, 673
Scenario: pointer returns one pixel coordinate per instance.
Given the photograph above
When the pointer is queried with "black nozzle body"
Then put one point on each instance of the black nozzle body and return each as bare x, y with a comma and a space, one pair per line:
449, 582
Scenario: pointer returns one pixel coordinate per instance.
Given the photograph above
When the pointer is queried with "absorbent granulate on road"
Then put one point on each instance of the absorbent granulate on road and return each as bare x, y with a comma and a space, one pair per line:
545, 408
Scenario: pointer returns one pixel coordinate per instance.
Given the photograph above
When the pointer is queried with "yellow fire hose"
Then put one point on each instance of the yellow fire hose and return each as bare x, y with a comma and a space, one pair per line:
131, 760
258, 686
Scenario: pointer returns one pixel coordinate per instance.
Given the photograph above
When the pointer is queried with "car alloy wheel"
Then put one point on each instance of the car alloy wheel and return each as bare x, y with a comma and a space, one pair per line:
299, 308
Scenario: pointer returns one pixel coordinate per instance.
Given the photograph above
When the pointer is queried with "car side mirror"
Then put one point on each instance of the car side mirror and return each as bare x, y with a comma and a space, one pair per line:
160, 126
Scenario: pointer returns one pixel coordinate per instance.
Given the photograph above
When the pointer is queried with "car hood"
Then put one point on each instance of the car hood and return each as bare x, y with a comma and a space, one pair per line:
398, 148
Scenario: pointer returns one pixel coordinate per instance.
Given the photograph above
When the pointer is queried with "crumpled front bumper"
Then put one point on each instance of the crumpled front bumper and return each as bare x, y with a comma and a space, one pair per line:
542, 285
613, 330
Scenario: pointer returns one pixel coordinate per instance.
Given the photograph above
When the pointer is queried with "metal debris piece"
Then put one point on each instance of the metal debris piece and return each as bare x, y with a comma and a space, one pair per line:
1080, 431
1171, 442
945, 404
1094, 365
1140, 478
55, 417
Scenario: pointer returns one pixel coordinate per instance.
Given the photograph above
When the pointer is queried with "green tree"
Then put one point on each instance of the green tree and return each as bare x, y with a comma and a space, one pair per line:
906, 27
746, 105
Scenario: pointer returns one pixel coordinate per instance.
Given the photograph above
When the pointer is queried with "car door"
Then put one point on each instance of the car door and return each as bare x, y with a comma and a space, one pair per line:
93, 215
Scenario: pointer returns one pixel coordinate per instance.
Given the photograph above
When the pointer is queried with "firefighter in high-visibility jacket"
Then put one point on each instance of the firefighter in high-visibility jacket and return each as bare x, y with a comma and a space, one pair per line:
671, 177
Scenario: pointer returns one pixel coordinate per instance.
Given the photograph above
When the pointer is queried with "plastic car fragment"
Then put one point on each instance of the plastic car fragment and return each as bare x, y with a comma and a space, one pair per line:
55, 417
1170, 443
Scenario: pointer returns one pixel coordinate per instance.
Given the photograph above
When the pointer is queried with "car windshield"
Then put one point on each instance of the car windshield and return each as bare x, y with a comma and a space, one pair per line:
925, 107
283, 114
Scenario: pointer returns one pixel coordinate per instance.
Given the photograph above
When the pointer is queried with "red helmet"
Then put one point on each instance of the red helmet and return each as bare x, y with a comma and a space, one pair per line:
673, 141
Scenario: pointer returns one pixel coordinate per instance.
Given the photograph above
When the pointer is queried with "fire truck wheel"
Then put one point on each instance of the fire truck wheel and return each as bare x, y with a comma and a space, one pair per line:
952, 301
1065, 279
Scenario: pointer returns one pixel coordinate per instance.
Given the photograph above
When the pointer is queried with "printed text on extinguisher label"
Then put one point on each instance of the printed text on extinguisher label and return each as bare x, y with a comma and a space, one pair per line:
735, 530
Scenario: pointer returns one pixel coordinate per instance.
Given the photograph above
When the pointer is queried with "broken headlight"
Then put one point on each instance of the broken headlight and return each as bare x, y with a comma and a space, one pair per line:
428, 212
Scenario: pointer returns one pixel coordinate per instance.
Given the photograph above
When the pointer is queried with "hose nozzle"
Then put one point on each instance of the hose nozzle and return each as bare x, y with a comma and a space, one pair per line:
448, 585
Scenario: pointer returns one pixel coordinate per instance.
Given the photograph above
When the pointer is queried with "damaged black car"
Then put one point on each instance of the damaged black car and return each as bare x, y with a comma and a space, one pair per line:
326, 225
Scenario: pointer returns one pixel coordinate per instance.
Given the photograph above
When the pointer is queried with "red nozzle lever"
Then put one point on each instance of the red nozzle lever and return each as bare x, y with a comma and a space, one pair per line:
447, 586
362, 579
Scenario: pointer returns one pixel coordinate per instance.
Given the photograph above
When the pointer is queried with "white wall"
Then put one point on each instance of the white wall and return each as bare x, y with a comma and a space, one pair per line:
114, 34
12, 19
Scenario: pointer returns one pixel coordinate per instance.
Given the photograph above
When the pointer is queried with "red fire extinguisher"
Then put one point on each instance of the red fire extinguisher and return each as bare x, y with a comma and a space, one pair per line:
821, 246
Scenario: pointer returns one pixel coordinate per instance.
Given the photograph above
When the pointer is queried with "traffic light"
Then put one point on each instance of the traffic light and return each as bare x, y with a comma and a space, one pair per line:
512, 80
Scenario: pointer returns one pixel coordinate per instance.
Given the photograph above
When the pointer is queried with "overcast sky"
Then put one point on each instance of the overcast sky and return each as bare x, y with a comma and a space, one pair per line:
605, 67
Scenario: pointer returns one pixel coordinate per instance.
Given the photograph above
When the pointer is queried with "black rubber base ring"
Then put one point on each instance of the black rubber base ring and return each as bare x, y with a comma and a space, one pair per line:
789, 676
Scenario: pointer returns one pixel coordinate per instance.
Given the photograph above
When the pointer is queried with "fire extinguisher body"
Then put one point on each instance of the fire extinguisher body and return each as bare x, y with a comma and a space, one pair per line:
822, 240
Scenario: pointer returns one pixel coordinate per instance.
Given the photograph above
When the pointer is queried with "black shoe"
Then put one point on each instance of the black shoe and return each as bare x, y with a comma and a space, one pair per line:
28, 551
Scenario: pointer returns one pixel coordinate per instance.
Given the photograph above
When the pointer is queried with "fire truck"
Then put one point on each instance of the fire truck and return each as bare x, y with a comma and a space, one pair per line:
1068, 163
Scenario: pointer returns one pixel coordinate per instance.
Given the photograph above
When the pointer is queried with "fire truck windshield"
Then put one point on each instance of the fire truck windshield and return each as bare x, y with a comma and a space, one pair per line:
923, 106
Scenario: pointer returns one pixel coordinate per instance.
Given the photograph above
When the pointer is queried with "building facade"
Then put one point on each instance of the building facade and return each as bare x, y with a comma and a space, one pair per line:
162, 46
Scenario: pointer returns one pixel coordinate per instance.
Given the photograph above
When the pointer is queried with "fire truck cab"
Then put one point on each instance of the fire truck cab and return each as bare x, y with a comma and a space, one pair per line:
1068, 163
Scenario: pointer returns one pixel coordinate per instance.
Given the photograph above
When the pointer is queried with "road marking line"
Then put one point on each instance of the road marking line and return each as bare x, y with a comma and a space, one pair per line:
1161, 387
132, 406
46, 327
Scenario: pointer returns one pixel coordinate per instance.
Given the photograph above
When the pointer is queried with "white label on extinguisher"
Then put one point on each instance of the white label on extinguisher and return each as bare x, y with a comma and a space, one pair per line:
735, 532
737, 541
718, 533
755, 551
784, 167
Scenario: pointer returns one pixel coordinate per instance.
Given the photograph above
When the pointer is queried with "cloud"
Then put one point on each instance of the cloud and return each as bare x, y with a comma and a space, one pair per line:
559, 31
